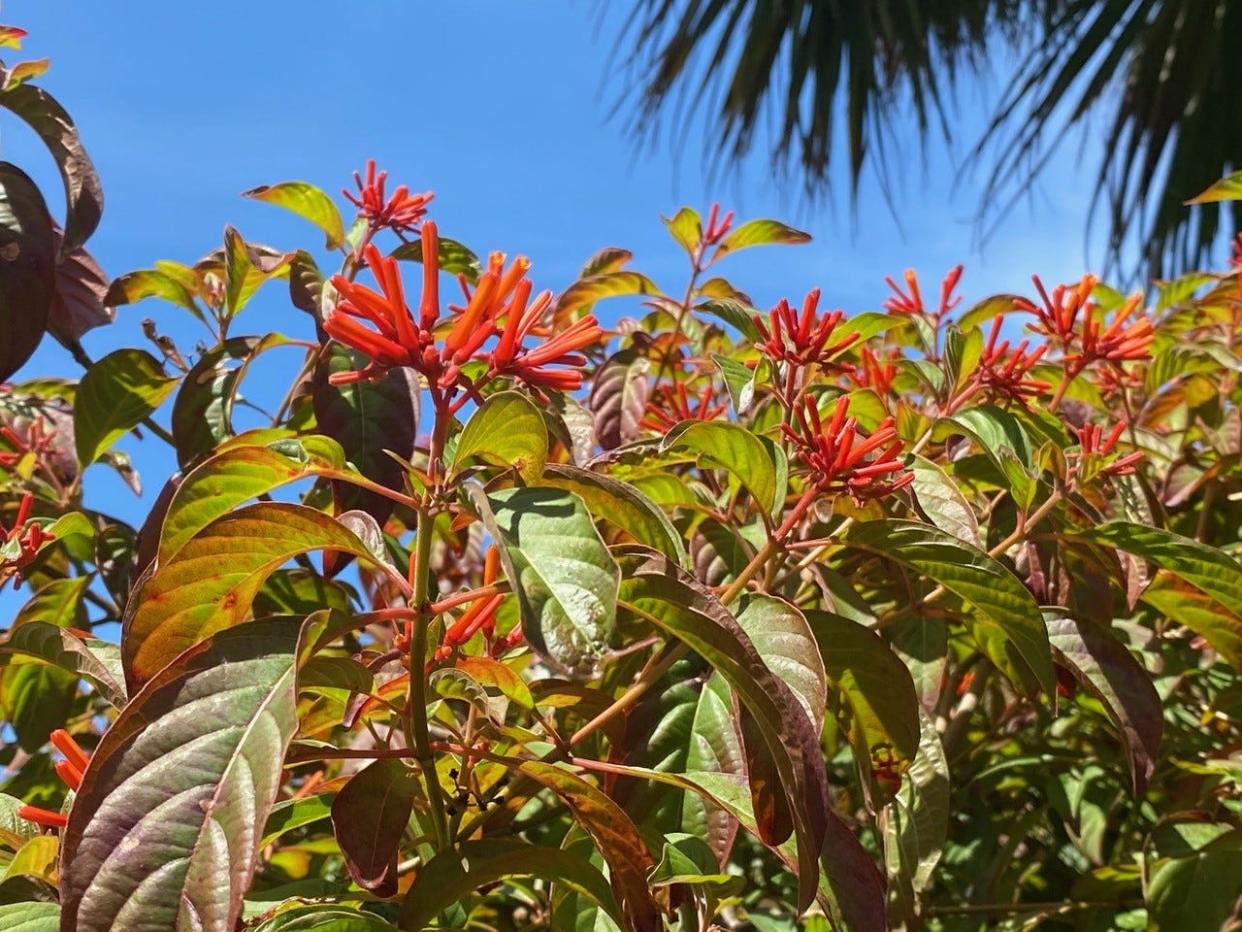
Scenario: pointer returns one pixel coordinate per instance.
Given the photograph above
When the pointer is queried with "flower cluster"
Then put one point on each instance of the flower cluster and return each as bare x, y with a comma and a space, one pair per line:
20, 543
399, 213
70, 770
801, 339
836, 452
1058, 318
1094, 447
911, 302
672, 404
381, 325
38, 441
874, 374
717, 227
1006, 373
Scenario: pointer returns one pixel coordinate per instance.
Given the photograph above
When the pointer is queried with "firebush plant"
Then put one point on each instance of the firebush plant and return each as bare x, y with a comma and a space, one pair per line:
506, 617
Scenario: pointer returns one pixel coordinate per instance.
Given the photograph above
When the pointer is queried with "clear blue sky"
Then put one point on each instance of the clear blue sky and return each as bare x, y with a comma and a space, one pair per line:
502, 108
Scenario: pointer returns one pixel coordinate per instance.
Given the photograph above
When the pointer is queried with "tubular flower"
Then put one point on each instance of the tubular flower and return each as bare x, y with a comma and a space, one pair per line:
20, 544
399, 213
393, 339
717, 227
801, 339
1090, 459
521, 319
836, 453
480, 616
902, 302
10, 458
1058, 318
70, 771
1005, 373
671, 405
874, 374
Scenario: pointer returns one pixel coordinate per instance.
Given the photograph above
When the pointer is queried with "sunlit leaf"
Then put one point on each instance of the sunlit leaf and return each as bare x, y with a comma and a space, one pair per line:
760, 233
308, 202
507, 430
723, 445
117, 393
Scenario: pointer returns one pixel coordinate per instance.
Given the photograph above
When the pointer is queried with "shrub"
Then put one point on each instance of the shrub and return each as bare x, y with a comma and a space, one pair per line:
708, 617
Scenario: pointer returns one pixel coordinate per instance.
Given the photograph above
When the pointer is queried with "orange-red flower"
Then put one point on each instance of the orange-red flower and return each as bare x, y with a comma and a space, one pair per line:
801, 339
716, 227
911, 302
836, 453
1005, 372
671, 405
1094, 447
874, 374
70, 771
20, 544
1058, 318
401, 212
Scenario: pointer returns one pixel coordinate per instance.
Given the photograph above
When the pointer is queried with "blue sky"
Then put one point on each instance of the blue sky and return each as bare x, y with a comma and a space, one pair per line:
501, 108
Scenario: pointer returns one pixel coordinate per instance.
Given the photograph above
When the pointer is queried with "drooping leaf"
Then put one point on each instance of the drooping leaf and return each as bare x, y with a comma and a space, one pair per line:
369, 818
621, 505
659, 592
618, 398
942, 502
92, 660
584, 293
164, 830
614, 834
308, 202
1109, 672
916, 822
366, 419
452, 875
563, 574
83, 192
787, 643
246, 268
28, 267
1005, 619
731, 447
507, 430
78, 305
760, 233
876, 685
117, 393
210, 582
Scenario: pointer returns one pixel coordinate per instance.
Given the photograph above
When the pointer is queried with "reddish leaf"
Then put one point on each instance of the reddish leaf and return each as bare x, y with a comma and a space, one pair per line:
369, 817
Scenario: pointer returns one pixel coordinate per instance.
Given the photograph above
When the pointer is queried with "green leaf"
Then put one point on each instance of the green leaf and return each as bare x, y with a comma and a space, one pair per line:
1199, 612
1197, 893
1202, 566
83, 192
916, 822
58, 603
784, 639
454, 258
1108, 671
760, 233
293, 814
1005, 441
686, 228
36, 699
238, 474
211, 581
621, 505
585, 292
654, 590
369, 818
451, 876
117, 393
28, 264
737, 314
1228, 188
90, 659
614, 834
507, 430
133, 287
202, 414
1005, 619
741, 380
308, 202
164, 830
721, 445
30, 917
876, 685
941, 501
563, 574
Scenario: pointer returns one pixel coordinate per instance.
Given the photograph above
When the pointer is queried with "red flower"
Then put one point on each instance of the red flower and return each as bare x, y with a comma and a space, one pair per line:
9, 459
400, 212
671, 405
912, 303
836, 453
1004, 372
1092, 451
70, 771
20, 544
534, 366
875, 375
1059, 318
715, 231
801, 339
